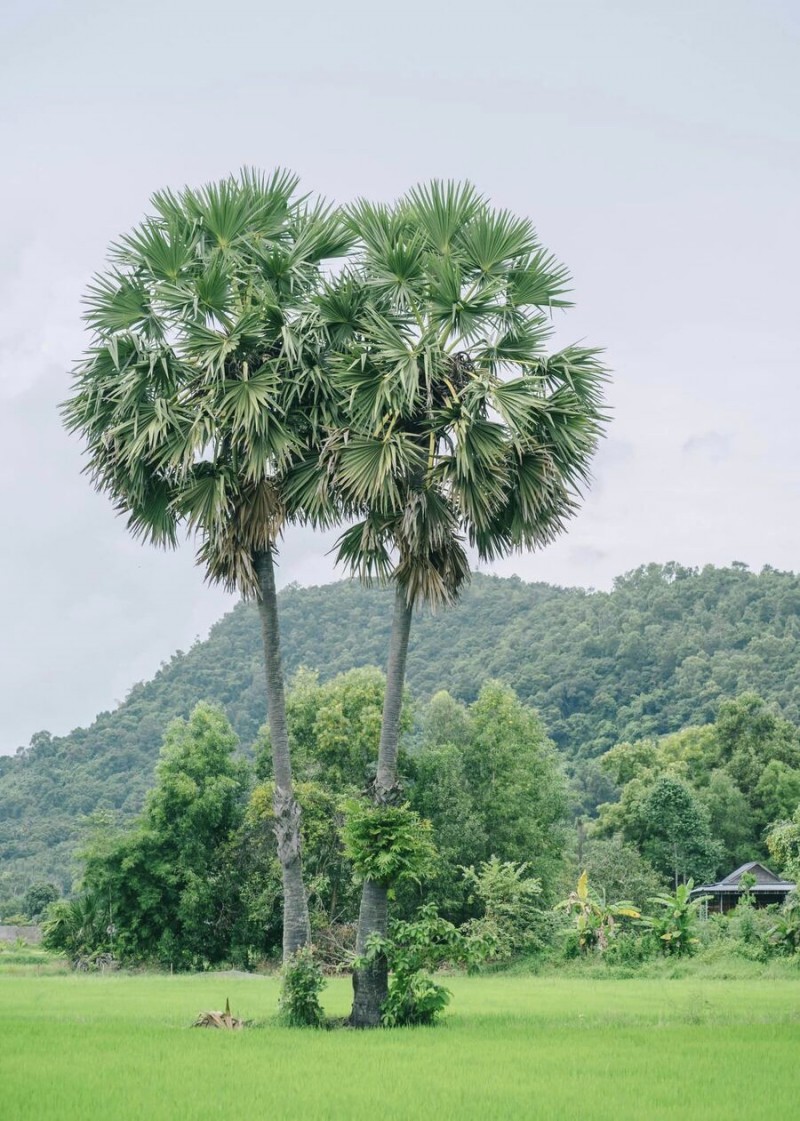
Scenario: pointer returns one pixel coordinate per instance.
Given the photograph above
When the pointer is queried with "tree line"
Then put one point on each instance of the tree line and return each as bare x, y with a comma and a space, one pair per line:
487, 867
196, 879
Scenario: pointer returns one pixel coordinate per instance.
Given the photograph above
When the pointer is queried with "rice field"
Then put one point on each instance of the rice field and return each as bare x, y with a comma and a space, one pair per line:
578, 1048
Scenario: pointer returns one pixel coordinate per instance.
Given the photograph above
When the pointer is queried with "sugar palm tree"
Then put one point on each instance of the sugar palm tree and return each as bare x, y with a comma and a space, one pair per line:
199, 392
461, 430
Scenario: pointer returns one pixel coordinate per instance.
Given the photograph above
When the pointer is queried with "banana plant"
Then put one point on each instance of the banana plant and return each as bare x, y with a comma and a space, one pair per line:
595, 920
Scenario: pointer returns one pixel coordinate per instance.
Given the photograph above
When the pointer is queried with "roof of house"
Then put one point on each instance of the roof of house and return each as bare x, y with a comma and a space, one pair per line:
766, 882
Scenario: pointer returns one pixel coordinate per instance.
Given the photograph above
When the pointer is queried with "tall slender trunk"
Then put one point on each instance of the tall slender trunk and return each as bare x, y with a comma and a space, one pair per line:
370, 984
296, 926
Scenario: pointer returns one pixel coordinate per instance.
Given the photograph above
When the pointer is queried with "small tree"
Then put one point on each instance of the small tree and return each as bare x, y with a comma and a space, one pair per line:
508, 897
170, 886
37, 899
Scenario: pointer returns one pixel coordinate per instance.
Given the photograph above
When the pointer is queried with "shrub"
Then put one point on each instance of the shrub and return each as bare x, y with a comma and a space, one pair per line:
630, 948
38, 898
414, 998
785, 931
412, 950
75, 927
302, 981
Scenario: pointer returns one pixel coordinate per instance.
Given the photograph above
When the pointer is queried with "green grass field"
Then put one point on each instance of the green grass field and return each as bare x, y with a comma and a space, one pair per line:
583, 1048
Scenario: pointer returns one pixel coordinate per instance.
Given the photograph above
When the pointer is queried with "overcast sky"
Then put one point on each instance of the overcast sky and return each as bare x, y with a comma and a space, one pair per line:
654, 144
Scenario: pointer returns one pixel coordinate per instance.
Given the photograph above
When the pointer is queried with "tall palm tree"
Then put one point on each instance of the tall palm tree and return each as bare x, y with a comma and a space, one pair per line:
462, 431
199, 392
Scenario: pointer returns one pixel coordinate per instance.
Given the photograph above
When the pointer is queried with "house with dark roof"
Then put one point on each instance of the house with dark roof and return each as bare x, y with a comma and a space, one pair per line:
767, 888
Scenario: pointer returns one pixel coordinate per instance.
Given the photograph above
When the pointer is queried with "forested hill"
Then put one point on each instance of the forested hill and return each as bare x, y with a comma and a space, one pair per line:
651, 656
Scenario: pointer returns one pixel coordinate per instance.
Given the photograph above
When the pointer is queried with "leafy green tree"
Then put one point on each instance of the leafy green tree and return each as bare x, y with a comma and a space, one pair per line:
676, 833
488, 779
38, 897
201, 390
750, 734
509, 900
777, 792
441, 794
783, 843
619, 871
516, 781
731, 820
669, 824
170, 887
459, 425
333, 727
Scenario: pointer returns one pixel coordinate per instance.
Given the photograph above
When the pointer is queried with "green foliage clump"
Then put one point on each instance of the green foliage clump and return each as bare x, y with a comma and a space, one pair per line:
302, 980
490, 782
783, 842
785, 931
699, 802
38, 898
387, 844
79, 929
674, 926
413, 950
169, 890
595, 921
509, 898
333, 728
617, 870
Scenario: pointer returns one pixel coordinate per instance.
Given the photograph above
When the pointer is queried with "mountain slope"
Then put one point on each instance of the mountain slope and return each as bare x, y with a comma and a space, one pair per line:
654, 654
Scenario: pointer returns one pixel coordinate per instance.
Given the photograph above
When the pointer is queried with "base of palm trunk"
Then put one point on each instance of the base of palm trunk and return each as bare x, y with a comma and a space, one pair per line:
370, 989
370, 981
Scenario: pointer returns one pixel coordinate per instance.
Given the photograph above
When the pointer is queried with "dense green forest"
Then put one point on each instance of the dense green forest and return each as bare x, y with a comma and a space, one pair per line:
656, 654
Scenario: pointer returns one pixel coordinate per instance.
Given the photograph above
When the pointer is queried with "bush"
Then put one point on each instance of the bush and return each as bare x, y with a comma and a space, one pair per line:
784, 933
75, 927
629, 948
412, 950
414, 998
38, 898
302, 982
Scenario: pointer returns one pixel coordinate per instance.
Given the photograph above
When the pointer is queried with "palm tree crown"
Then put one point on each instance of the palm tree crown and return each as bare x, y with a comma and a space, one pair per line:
460, 427
197, 391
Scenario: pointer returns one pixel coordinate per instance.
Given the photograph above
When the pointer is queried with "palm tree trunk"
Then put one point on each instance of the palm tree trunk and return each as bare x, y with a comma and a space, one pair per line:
370, 984
296, 926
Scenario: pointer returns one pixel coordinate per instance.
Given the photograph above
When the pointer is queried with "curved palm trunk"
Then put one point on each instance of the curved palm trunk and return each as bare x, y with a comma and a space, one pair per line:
370, 984
296, 927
